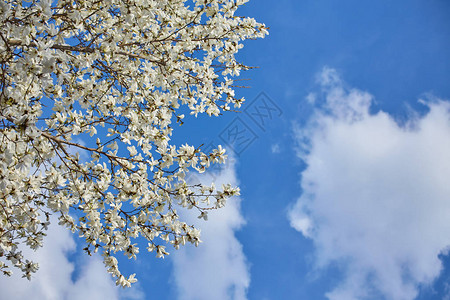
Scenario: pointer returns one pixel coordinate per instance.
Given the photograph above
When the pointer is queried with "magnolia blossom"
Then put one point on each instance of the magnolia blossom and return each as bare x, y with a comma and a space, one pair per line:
115, 75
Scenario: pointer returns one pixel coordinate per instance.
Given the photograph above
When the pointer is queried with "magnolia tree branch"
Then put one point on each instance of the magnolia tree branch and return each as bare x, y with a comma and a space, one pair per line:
89, 92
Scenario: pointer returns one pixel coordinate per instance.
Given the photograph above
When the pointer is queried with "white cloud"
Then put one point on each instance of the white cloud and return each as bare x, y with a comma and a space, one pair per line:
275, 148
53, 280
375, 194
217, 268
93, 282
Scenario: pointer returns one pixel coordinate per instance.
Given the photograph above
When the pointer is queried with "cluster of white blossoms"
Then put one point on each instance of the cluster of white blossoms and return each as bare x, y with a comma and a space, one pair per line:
109, 78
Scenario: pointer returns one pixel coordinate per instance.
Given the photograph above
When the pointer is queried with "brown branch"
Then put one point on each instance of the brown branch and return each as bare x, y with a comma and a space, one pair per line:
83, 49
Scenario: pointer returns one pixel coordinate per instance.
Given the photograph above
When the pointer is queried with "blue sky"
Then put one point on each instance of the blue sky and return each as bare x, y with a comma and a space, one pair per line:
344, 188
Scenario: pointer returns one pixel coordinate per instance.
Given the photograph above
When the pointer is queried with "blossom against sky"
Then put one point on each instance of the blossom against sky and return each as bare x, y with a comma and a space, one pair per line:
344, 191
